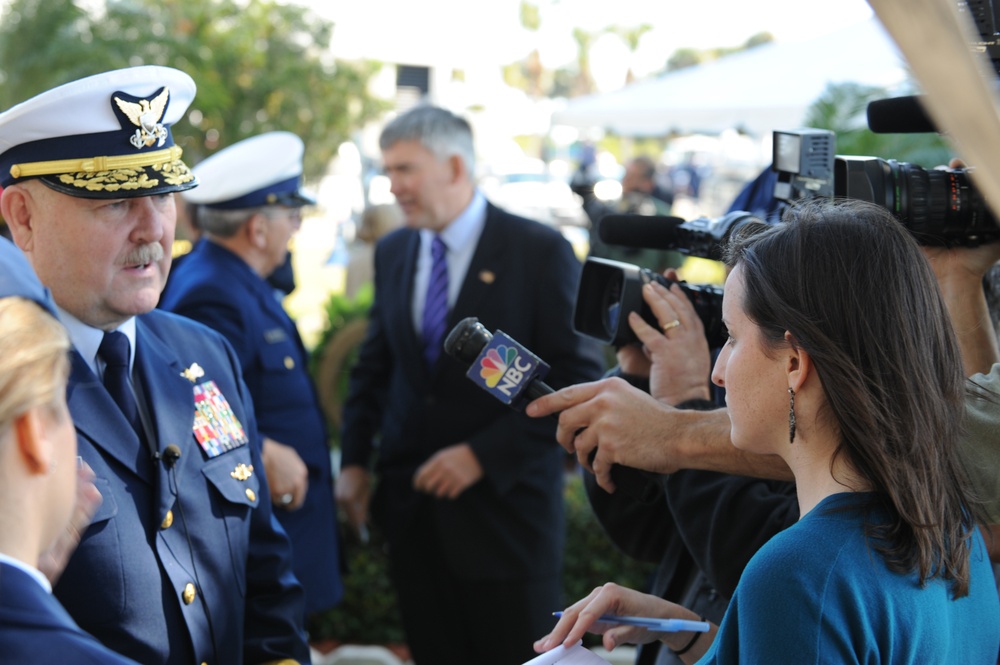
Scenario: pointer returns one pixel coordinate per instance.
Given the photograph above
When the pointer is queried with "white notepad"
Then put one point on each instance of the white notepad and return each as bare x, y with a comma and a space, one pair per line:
574, 655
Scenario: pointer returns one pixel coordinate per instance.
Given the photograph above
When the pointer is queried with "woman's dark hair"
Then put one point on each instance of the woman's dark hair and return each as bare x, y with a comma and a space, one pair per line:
854, 290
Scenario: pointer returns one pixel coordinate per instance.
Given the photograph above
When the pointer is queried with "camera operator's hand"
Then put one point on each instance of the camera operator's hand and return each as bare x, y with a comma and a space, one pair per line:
619, 417
960, 271
681, 362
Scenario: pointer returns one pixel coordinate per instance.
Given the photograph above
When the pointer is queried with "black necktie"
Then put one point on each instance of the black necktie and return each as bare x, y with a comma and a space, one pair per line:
114, 351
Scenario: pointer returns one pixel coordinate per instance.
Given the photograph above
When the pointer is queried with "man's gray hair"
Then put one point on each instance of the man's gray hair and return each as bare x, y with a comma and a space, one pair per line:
223, 223
437, 129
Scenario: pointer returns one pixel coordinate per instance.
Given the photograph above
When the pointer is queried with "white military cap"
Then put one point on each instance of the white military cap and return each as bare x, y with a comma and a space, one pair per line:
262, 170
104, 136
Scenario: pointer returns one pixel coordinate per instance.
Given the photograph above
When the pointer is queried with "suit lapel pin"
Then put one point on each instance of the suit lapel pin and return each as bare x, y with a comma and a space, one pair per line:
487, 276
193, 373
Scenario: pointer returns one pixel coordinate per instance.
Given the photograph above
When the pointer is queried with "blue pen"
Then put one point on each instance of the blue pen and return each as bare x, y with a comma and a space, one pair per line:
657, 625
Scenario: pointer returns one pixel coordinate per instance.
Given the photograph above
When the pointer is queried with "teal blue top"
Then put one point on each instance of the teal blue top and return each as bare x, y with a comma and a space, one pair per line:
817, 593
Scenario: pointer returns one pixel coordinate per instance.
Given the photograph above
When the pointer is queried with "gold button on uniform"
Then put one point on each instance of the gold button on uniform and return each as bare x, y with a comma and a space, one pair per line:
168, 520
289, 363
251, 494
189, 593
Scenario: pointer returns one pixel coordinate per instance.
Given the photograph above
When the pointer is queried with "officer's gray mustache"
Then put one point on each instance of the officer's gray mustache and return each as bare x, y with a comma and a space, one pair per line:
144, 254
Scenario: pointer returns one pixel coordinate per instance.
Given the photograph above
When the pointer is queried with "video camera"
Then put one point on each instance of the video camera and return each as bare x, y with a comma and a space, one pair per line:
937, 206
609, 290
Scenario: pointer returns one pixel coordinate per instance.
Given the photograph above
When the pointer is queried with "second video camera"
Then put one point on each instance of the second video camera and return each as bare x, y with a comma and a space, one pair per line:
609, 290
938, 206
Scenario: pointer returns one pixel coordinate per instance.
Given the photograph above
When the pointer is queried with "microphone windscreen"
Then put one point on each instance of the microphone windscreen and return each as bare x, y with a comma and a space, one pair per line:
899, 115
640, 231
171, 454
467, 339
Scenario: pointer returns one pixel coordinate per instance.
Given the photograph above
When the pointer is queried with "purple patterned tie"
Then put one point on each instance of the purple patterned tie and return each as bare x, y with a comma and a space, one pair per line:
436, 305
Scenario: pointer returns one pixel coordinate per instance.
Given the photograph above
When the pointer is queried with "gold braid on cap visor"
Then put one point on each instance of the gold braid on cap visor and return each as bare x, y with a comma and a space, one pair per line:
94, 164
167, 161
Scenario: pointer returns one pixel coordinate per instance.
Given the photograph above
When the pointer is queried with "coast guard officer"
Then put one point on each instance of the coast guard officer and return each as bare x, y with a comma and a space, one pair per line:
184, 561
249, 205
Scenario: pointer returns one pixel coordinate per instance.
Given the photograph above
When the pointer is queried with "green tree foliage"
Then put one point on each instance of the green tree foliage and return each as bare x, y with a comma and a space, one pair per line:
689, 57
528, 74
260, 65
842, 109
683, 58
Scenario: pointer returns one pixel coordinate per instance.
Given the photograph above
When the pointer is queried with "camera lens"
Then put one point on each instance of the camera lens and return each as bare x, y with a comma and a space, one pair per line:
611, 304
939, 207
941, 204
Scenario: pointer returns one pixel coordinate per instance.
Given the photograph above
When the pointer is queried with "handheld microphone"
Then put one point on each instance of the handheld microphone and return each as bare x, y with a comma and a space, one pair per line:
519, 373
170, 455
497, 363
899, 115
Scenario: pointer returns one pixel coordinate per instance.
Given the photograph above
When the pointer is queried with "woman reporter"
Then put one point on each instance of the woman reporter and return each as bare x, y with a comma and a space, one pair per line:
842, 361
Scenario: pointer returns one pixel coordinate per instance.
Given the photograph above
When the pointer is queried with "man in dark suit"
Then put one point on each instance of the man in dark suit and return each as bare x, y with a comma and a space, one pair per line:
184, 561
249, 206
469, 492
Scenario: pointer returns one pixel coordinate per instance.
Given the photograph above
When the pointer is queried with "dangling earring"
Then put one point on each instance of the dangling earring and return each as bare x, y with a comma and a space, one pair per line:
791, 415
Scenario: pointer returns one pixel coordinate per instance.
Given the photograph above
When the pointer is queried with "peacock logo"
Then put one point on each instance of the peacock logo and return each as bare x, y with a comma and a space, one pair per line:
495, 364
504, 369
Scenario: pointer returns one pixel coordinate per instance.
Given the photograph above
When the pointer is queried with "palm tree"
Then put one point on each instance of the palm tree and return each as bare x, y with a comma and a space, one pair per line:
631, 36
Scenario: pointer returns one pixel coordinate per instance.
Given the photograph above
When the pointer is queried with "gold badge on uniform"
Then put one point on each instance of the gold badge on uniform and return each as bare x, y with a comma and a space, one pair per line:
242, 471
487, 276
193, 373
146, 114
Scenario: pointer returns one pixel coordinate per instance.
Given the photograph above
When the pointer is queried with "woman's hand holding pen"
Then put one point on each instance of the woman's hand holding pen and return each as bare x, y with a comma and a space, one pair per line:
584, 616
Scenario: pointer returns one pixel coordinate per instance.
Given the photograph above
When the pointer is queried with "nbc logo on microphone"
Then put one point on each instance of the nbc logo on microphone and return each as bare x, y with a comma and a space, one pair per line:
504, 368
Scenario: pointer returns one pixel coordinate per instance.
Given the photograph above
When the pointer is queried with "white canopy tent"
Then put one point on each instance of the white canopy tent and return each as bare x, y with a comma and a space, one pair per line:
759, 90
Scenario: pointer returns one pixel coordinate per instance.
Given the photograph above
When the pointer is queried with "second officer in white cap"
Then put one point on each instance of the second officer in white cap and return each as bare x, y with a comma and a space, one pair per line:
249, 206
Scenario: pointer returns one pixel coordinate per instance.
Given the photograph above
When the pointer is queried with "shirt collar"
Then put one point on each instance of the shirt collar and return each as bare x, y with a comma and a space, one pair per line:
465, 228
30, 570
87, 340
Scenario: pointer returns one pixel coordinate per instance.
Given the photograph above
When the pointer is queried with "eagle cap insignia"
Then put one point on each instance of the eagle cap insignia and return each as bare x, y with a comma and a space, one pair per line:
147, 115
242, 471
193, 373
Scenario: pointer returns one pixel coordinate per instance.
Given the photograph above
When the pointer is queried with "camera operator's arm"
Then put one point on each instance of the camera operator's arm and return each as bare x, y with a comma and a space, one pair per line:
631, 428
960, 273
